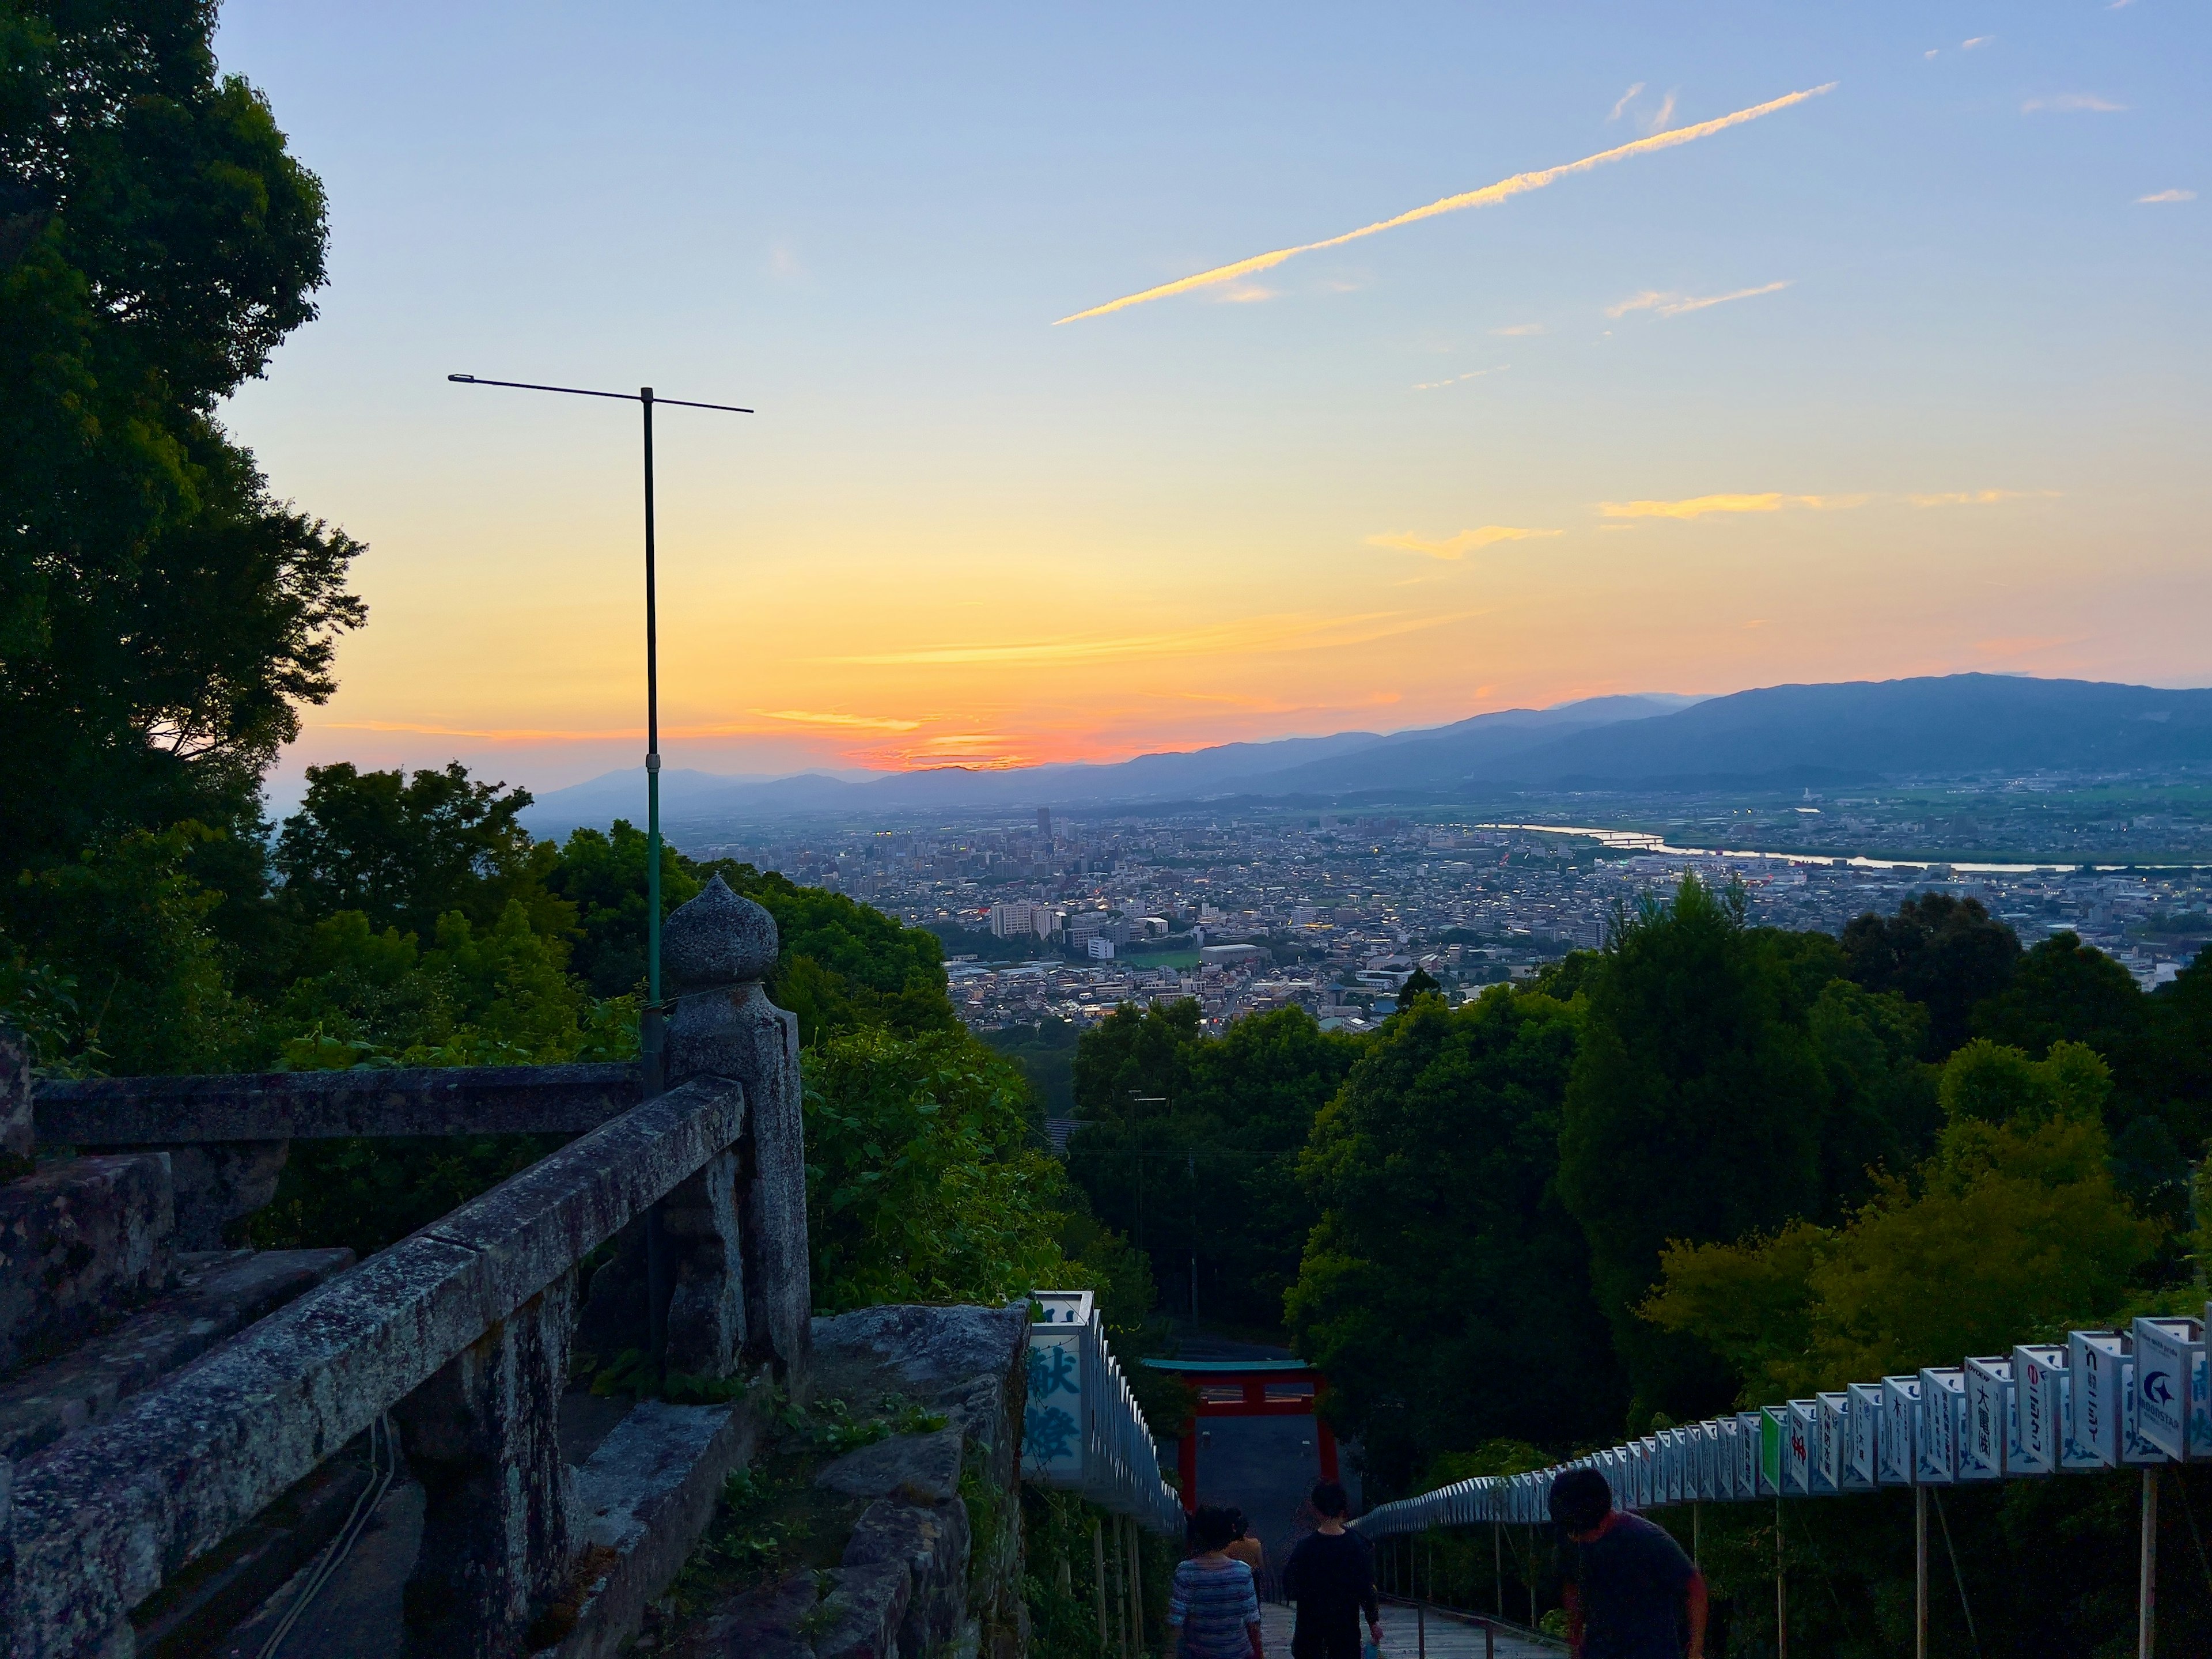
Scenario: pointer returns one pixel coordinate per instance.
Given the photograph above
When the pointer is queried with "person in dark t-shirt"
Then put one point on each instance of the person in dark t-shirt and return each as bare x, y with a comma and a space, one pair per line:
1331, 1576
1628, 1584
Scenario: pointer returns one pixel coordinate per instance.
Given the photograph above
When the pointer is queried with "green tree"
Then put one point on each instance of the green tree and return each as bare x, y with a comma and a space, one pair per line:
1418, 983
602, 875
125, 936
2013, 1228
404, 852
922, 1182
161, 618
1444, 1273
1218, 1149
1945, 953
1697, 1111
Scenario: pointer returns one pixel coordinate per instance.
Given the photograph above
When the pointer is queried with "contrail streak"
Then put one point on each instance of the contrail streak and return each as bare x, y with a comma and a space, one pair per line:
1517, 184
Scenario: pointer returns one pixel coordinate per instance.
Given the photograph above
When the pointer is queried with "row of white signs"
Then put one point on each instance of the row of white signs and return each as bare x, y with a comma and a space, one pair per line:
1082, 1430
2101, 1399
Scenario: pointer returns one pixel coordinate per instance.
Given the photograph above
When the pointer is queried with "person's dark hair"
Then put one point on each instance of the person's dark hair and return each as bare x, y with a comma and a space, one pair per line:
1581, 1499
1241, 1522
1212, 1527
1329, 1499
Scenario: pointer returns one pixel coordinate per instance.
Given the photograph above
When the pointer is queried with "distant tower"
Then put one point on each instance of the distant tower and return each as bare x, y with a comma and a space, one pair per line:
1044, 825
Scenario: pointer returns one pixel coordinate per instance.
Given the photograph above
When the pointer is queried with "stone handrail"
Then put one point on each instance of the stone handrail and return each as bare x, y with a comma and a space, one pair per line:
110, 1513
427, 1100
460, 1332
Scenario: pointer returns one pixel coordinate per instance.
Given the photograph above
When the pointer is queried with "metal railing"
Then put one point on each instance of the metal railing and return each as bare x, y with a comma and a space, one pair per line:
2102, 1400
1082, 1429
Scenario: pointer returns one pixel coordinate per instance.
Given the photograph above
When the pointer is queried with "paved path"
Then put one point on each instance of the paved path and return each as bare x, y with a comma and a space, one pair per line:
1403, 1638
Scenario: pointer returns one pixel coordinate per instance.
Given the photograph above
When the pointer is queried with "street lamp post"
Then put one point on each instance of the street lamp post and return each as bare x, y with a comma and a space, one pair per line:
653, 1024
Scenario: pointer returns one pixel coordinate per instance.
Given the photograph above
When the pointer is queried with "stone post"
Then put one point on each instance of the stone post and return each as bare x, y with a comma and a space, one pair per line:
714, 952
219, 1182
16, 1134
499, 1531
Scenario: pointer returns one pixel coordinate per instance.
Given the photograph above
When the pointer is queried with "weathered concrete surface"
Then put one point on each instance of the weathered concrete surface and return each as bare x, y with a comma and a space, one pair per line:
715, 950
970, 1363
645, 1496
216, 1184
17, 1129
933, 1563
219, 1592
706, 1303
929, 1547
768, 1623
433, 1100
81, 1243
483, 1436
103, 1515
915, 1468
216, 1296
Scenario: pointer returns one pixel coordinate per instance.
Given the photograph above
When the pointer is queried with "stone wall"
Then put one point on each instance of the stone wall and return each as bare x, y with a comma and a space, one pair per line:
932, 1566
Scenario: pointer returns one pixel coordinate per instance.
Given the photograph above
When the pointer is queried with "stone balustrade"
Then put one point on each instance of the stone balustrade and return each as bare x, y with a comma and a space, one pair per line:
461, 1332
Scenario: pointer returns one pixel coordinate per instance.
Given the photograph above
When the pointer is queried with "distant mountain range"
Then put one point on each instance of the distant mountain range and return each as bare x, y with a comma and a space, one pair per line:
1782, 736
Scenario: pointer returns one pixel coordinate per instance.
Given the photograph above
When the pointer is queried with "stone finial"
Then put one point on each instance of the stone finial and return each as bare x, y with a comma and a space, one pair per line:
717, 939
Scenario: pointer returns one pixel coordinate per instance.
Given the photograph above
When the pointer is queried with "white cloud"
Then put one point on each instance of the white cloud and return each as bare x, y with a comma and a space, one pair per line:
1454, 379
2167, 196
1503, 190
2072, 103
1625, 98
1675, 304
1979, 40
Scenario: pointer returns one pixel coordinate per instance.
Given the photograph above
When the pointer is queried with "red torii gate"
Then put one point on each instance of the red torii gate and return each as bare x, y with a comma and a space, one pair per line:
1249, 1388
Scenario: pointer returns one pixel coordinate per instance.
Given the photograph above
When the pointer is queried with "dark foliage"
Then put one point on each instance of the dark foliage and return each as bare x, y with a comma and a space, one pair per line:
1947, 954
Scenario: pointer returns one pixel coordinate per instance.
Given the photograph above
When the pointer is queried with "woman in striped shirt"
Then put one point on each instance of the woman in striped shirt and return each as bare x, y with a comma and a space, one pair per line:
1213, 1608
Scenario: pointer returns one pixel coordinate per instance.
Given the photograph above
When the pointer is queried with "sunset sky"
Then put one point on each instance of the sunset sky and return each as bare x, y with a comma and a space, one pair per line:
1901, 371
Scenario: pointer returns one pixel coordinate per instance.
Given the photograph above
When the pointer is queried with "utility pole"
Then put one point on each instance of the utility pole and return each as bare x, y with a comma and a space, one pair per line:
653, 1023
1194, 1240
1135, 1101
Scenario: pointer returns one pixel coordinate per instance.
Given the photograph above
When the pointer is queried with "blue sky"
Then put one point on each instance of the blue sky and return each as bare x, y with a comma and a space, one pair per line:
1956, 419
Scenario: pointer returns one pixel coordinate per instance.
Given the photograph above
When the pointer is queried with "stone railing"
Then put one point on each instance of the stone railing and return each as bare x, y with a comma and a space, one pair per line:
461, 1332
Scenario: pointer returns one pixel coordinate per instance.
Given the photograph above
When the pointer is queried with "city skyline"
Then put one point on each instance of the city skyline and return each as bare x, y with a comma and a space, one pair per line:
1690, 350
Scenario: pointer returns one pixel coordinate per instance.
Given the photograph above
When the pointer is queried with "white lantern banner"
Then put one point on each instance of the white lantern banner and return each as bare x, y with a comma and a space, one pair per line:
1988, 1418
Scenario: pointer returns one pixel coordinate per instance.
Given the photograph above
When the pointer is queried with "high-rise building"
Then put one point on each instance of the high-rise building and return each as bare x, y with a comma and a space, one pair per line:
1044, 825
1007, 920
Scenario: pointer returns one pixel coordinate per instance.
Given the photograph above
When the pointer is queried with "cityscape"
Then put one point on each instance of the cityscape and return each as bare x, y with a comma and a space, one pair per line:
1068, 918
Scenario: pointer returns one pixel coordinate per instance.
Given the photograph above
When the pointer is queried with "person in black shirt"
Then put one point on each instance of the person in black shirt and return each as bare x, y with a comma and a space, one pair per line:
1331, 1576
1627, 1583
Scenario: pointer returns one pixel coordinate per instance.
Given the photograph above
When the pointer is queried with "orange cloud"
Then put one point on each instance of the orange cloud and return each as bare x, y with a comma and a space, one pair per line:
1697, 506
1974, 497
869, 722
1255, 635
1459, 546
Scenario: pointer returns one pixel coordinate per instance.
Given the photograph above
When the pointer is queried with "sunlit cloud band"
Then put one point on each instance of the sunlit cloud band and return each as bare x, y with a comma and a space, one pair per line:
1459, 546
1697, 506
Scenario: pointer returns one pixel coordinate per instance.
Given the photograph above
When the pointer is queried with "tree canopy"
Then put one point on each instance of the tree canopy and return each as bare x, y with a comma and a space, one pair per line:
161, 617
